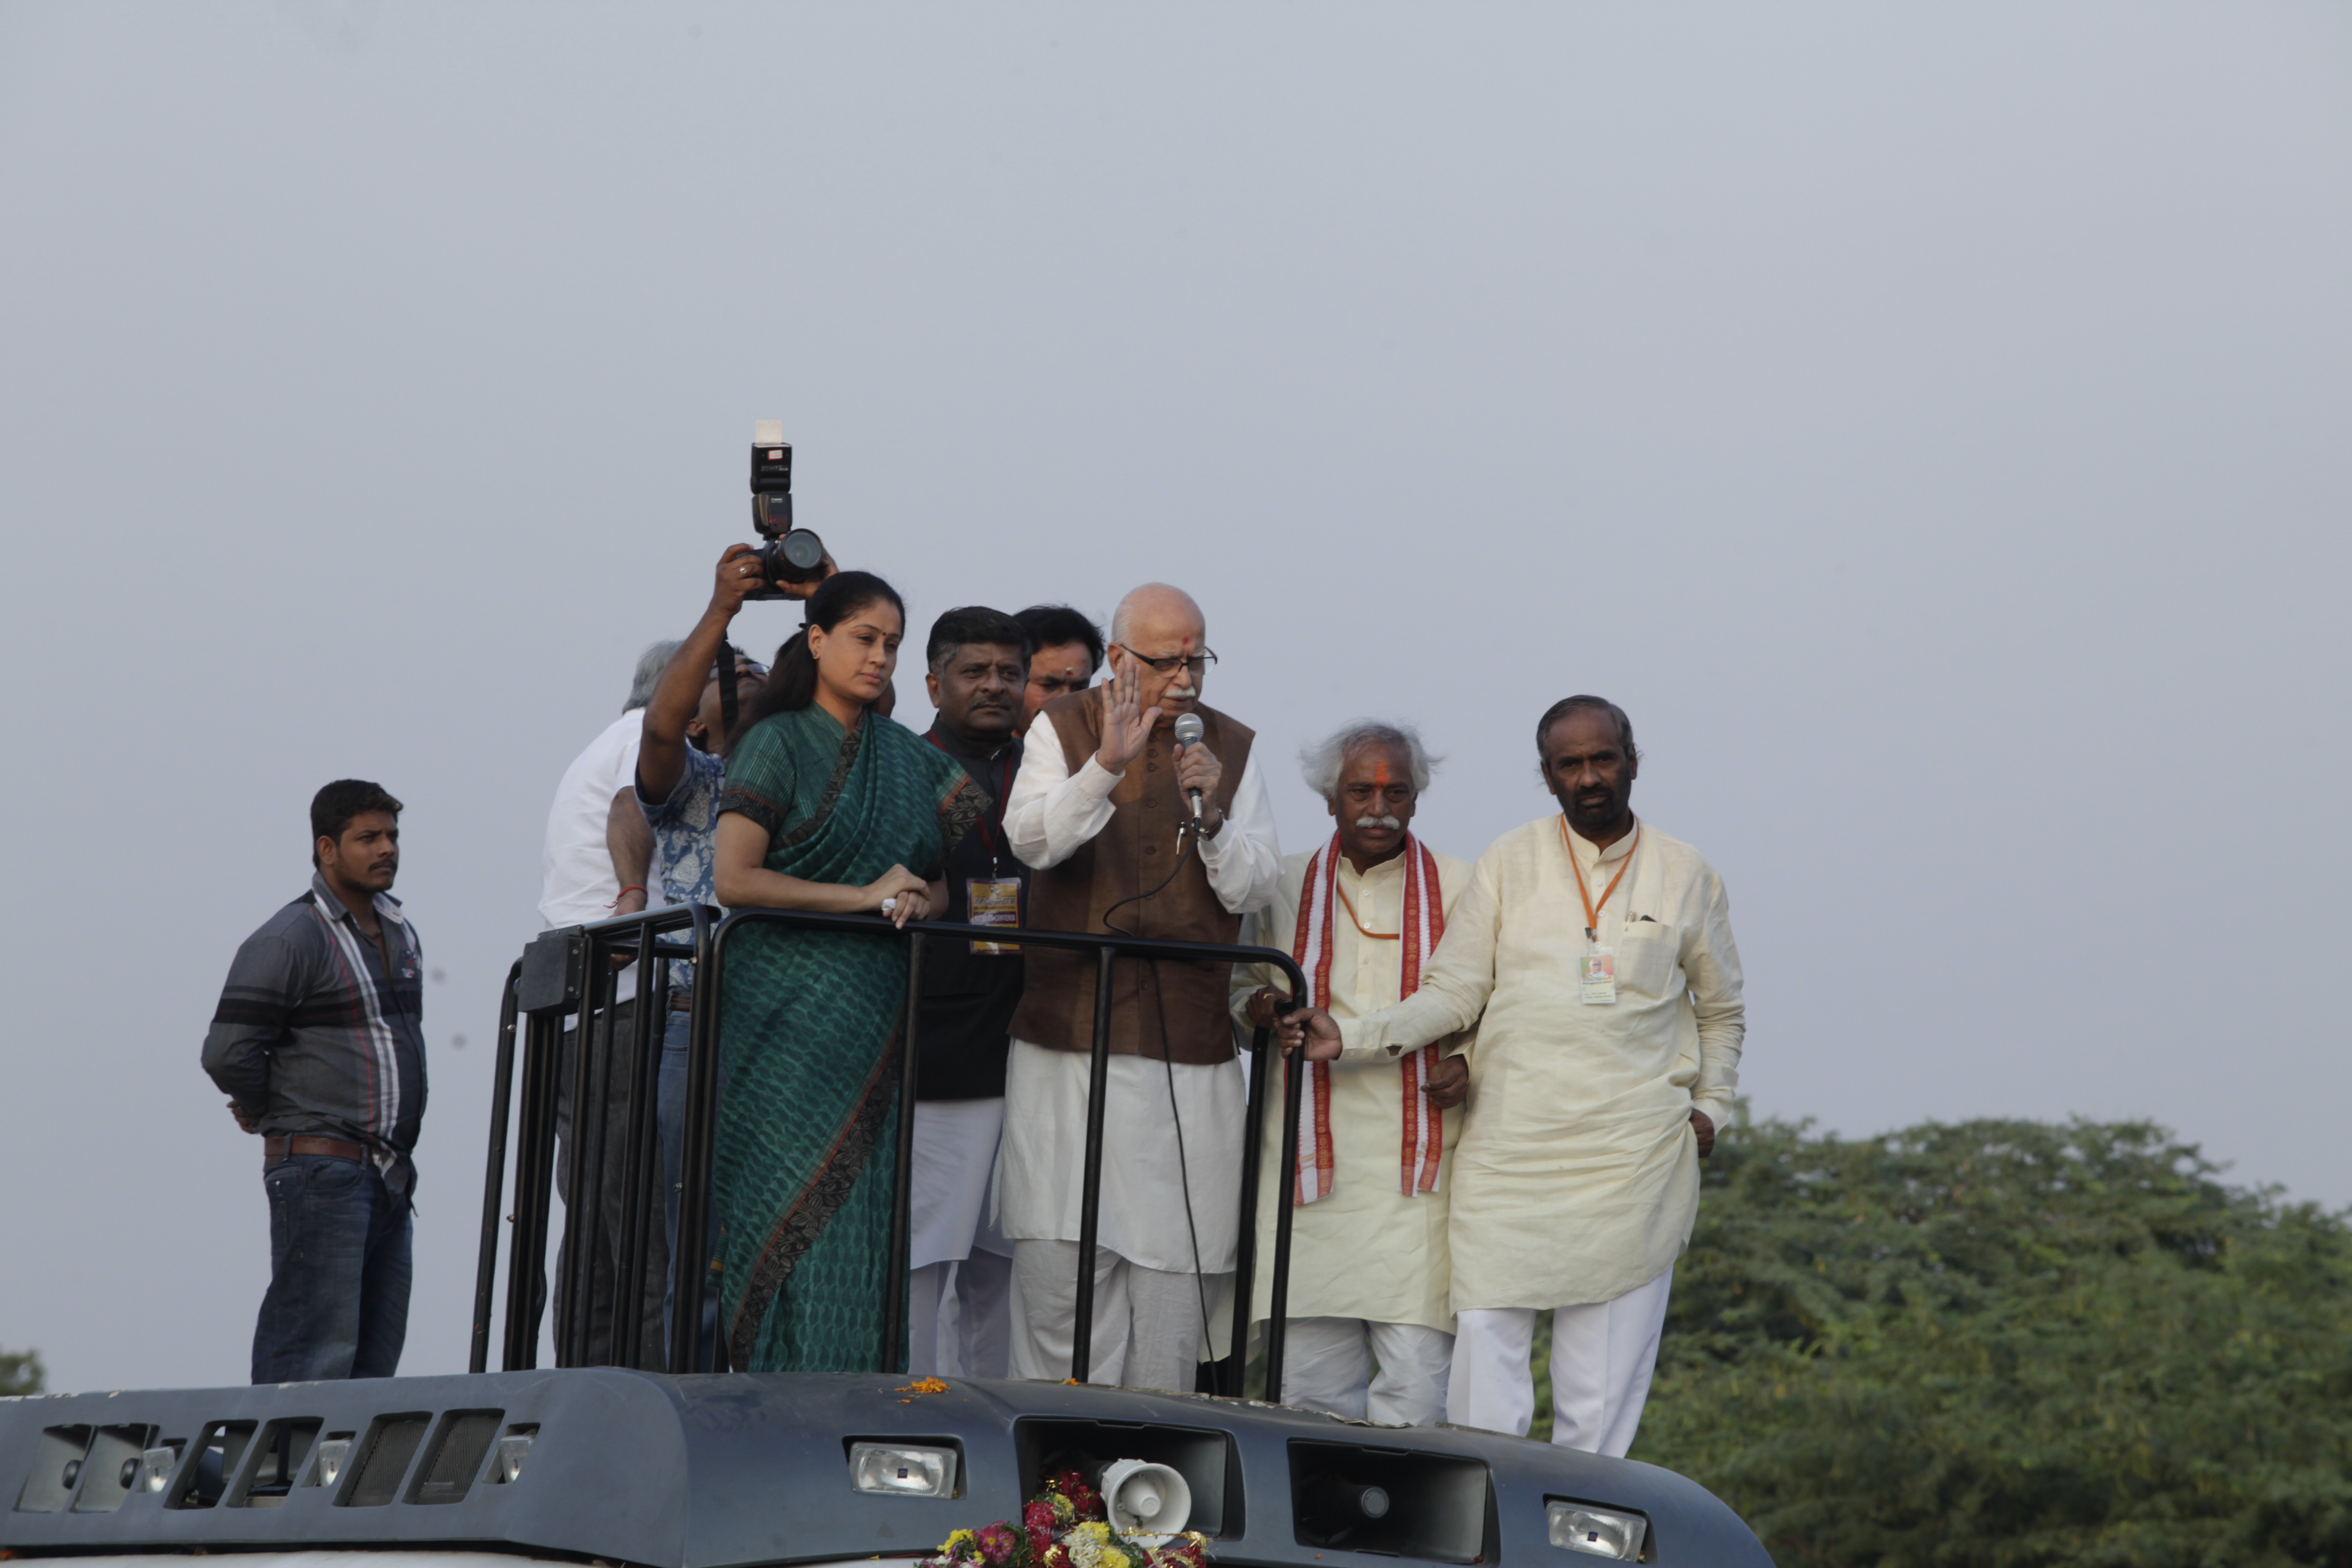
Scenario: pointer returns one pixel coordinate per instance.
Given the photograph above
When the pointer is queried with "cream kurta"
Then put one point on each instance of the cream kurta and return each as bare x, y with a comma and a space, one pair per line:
1577, 1176
1365, 1250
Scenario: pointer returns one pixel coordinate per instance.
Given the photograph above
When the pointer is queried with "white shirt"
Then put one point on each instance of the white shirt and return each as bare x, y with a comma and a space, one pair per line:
1052, 812
577, 886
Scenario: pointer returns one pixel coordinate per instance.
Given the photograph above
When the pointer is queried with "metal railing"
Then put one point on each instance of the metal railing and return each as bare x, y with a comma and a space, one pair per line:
568, 974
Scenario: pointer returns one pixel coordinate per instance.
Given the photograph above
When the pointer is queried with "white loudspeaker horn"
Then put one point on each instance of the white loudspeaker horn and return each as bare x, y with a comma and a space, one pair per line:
1145, 1498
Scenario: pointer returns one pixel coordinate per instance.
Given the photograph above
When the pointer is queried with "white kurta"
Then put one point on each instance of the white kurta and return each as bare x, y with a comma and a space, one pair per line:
1146, 1174
1577, 1177
1367, 1249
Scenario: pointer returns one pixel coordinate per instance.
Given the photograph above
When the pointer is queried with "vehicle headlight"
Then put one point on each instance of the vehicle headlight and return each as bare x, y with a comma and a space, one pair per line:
1598, 1531
902, 1471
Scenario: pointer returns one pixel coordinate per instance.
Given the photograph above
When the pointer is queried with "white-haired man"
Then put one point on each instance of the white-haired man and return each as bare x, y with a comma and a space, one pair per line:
1369, 1272
1099, 812
1597, 954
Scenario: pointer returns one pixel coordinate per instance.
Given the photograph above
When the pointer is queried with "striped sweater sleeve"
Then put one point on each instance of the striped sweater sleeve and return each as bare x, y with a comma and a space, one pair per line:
255, 1006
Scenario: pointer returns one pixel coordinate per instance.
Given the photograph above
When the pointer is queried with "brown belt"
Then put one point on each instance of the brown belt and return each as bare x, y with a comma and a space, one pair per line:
681, 1002
278, 1146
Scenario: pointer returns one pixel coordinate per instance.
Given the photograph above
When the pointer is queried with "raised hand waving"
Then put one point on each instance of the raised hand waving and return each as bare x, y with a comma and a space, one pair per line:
1127, 724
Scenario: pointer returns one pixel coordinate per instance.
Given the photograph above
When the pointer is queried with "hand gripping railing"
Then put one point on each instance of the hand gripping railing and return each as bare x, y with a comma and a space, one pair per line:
568, 972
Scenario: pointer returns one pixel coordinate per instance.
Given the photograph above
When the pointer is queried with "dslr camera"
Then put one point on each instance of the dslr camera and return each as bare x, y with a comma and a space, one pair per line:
787, 554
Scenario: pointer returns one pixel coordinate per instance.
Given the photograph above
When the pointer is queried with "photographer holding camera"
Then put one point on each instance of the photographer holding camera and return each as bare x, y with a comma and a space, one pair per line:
674, 817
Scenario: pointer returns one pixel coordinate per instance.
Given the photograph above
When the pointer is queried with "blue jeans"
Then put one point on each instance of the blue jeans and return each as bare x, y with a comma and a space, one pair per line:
339, 1272
670, 1105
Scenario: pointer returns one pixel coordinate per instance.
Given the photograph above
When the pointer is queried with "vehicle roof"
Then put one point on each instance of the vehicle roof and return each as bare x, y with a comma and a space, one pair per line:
736, 1469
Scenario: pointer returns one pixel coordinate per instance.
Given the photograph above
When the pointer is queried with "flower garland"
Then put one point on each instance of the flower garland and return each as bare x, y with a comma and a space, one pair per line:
1065, 1526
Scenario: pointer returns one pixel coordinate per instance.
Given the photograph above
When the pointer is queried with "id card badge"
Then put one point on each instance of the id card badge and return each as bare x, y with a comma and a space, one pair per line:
993, 902
1598, 974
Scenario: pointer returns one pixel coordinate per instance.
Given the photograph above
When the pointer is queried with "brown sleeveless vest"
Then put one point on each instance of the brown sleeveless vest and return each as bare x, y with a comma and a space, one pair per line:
1132, 854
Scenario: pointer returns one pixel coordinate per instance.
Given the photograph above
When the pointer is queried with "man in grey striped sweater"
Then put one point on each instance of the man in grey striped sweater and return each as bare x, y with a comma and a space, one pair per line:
318, 1042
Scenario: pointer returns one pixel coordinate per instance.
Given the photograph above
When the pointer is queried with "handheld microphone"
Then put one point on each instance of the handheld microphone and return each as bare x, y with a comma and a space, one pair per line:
1188, 733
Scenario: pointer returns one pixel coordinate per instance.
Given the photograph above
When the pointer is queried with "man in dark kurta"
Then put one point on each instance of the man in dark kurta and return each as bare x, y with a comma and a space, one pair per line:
960, 1286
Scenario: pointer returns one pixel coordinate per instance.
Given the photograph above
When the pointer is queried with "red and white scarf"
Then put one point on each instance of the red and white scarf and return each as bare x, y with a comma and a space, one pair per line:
1312, 946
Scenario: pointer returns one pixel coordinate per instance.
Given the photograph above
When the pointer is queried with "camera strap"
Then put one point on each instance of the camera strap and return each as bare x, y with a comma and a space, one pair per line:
725, 668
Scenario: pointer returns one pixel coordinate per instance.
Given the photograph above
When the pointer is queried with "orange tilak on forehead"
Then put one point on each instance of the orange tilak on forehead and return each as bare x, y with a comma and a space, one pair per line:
1380, 773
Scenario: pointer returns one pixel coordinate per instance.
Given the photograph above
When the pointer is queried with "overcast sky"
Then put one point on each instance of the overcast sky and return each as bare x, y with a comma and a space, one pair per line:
1931, 423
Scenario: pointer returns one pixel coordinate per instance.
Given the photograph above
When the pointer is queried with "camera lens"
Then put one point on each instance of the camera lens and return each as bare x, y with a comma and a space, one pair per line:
803, 549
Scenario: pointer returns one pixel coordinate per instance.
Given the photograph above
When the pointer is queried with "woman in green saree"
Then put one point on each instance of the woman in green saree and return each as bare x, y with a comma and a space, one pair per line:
826, 805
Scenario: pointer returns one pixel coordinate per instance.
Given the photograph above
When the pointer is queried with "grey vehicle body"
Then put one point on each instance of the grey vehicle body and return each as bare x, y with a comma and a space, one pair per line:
740, 1469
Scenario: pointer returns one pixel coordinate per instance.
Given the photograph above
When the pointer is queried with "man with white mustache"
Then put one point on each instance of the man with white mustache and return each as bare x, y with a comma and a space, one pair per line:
1369, 1271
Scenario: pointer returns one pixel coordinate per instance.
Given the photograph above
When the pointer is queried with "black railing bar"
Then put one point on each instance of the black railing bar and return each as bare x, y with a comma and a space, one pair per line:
678, 917
609, 1047
519, 1261
486, 1262
606, 935
526, 1247
896, 1346
1125, 946
1277, 1321
566, 1184
1082, 1319
551, 1048
1245, 1238
586, 1219
690, 1268
572, 1294
652, 1190
629, 1300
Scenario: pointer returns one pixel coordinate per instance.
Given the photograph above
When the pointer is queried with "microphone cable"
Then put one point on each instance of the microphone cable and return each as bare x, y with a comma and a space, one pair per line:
1187, 832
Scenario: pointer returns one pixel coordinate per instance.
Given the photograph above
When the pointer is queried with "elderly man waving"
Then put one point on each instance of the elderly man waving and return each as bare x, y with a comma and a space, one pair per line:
1362, 915
1103, 813
1601, 952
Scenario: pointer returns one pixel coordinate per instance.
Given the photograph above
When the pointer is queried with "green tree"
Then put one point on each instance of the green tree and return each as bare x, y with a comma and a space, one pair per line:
2010, 1343
21, 1372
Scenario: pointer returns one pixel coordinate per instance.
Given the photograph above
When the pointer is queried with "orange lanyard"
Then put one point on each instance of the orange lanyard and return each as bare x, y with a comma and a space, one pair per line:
1591, 910
1375, 935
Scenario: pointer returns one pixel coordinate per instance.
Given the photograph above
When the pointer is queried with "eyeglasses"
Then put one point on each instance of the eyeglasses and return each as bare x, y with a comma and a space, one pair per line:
1196, 667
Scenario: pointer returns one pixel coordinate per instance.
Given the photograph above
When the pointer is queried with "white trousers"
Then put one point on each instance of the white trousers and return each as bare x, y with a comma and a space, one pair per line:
949, 1211
959, 1318
1601, 1357
1147, 1321
1326, 1366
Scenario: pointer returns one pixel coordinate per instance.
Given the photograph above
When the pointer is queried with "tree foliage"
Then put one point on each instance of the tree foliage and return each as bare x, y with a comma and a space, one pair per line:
2012, 1344
21, 1372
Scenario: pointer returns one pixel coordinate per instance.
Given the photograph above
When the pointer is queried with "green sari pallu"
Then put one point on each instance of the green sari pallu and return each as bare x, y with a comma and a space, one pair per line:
802, 1173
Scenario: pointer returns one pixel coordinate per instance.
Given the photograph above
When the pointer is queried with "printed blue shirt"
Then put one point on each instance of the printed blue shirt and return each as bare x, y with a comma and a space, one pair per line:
686, 827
